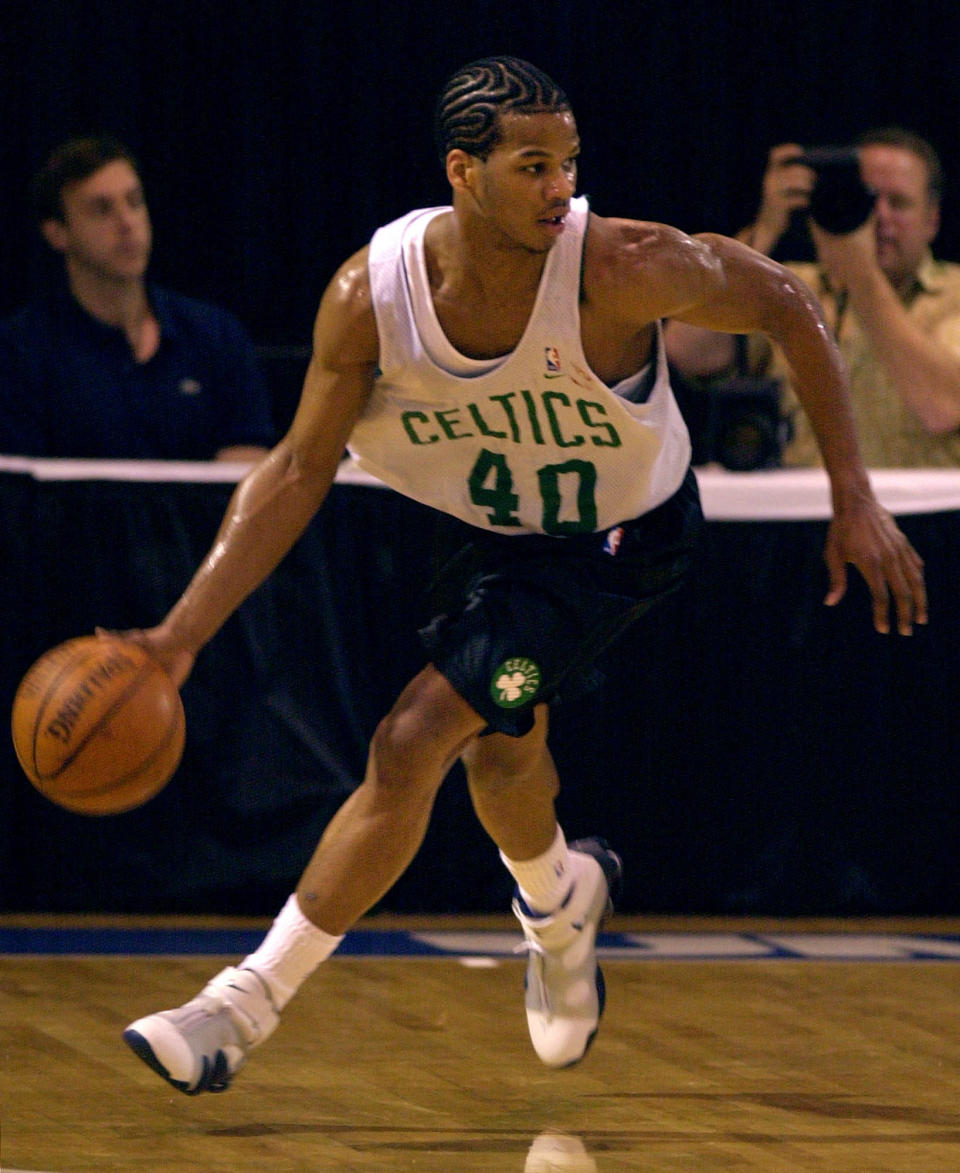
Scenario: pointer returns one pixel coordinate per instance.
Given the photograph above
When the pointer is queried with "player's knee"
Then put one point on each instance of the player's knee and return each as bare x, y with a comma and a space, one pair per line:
415, 744
499, 762
400, 757
409, 757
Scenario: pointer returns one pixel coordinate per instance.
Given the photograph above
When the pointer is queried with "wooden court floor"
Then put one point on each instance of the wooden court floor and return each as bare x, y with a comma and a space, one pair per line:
422, 1063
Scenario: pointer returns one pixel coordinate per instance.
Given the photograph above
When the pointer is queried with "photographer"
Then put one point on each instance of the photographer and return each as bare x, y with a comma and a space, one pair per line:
894, 309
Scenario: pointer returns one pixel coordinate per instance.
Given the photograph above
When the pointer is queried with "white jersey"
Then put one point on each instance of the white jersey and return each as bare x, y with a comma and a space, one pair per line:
532, 442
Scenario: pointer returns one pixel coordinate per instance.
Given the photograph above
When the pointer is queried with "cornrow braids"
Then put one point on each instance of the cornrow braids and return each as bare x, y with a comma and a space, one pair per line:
468, 109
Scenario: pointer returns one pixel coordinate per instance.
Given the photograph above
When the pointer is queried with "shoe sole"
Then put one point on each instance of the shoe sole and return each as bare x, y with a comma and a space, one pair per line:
212, 1079
601, 1002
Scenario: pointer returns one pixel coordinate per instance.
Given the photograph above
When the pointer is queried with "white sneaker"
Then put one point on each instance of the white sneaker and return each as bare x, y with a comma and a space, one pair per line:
202, 1045
553, 1152
564, 987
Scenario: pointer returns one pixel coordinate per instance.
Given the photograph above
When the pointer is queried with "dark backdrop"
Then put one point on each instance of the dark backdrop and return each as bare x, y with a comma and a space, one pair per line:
748, 750
275, 136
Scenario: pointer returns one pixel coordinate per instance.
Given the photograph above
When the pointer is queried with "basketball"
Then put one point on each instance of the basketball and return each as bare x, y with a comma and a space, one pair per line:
98, 725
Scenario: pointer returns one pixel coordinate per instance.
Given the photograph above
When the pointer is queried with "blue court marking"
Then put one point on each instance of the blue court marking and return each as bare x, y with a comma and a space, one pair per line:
187, 942
127, 941
658, 946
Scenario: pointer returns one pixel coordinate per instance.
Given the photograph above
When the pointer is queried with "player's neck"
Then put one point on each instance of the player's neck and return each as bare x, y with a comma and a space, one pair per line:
479, 263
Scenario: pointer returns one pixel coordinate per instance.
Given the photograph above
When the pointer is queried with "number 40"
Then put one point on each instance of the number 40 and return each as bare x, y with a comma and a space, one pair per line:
491, 487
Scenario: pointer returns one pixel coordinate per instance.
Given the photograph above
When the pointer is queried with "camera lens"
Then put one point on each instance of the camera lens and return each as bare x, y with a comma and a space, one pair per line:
840, 202
748, 441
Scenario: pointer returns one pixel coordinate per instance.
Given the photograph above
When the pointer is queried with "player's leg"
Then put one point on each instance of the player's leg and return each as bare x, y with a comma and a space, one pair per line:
513, 786
563, 892
374, 836
366, 847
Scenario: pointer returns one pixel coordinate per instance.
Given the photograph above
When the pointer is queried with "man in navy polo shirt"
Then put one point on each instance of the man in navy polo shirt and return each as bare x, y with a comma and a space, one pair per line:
112, 366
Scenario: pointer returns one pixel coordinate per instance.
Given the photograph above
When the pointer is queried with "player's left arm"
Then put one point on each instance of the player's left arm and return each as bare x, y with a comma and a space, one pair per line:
718, 283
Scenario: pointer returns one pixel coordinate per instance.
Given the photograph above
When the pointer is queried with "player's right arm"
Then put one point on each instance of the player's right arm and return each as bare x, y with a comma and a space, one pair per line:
275, 502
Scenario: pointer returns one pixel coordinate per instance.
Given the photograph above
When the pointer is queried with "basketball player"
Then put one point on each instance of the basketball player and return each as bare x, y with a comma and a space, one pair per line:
502, 361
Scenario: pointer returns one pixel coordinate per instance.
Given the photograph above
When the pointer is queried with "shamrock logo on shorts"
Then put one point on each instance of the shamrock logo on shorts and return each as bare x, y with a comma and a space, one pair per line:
515, 682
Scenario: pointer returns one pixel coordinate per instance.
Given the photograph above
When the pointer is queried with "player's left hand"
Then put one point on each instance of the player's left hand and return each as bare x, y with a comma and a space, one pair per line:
864, 535
177, 661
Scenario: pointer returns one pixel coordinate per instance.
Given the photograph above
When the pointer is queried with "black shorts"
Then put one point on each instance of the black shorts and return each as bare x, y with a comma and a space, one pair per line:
520, 620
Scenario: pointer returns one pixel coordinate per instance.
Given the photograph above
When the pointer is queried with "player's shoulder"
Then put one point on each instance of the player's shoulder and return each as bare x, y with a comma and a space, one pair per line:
346, 318
641, 248
350, 285
641, 267
347, 300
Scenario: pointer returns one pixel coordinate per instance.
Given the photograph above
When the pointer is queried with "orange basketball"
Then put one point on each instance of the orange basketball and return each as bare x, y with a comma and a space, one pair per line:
98, 725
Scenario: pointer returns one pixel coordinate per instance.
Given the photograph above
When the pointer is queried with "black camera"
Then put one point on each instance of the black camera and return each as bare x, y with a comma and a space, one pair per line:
841, 202
735, 422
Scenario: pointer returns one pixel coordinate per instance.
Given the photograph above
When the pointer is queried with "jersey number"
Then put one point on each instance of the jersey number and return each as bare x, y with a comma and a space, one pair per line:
491, 487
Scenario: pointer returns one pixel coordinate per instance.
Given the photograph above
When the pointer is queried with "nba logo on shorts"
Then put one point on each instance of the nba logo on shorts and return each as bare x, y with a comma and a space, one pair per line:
614, 537
552, 358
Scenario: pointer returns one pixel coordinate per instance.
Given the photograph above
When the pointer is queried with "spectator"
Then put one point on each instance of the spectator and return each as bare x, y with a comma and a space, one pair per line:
111, 366
894, 309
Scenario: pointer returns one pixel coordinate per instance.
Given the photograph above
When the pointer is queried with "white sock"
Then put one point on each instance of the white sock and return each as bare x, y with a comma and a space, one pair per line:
544, 881
290, 952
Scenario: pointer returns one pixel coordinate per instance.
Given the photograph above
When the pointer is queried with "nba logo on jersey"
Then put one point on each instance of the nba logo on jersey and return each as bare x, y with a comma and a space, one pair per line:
552, 358
614, 536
